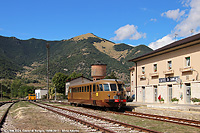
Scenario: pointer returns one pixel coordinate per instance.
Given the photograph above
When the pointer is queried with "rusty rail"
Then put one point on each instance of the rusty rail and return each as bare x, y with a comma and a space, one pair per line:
76, 119
179, 121
2, 120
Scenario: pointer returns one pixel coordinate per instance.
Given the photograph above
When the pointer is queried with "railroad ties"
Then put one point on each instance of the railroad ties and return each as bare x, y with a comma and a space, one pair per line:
94, 123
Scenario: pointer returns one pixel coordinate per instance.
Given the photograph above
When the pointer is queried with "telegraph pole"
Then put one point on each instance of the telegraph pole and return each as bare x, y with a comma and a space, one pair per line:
1, 93
47, 46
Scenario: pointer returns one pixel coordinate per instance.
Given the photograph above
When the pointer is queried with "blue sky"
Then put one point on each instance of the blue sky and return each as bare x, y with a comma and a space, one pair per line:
150, 22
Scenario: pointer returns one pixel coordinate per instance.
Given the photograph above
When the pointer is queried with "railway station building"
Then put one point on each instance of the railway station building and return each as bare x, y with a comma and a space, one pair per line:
168, 72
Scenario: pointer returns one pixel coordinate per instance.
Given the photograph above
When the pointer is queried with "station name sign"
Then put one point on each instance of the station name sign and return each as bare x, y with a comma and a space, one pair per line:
169, 79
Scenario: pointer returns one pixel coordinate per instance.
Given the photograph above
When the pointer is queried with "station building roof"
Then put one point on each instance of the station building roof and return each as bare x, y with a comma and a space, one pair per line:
183, 43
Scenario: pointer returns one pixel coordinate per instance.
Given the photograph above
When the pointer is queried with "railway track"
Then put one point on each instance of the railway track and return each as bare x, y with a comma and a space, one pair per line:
2, 103
4, 111
94, 122
179, 121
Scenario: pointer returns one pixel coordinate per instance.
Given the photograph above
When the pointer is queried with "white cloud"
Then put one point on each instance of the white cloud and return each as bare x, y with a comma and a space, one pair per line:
185, 3
183, 29
128, 32
174, 14
161, 42
192, 22
153, 19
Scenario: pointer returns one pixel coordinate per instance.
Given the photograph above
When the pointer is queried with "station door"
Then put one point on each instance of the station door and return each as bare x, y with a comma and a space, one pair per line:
170, 93
188, 93
143, 94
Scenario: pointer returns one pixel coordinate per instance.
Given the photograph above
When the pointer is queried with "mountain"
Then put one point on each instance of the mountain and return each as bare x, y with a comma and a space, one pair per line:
28, 57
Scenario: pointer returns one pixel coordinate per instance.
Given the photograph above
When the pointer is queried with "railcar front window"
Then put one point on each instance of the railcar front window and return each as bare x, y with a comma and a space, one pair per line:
106, 87
121, 87
113, 87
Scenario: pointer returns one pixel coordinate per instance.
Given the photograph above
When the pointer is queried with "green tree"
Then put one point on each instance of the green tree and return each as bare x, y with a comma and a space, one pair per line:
59, 80
25, 90
15, 88
111, 76
74, 75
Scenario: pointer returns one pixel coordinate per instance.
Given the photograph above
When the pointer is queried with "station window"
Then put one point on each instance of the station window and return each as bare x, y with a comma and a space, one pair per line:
187, 61
143, 70
154, 67
169, 63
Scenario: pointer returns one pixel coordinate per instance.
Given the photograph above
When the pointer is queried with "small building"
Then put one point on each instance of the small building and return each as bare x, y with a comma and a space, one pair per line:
75, 81
168, 72
40, 93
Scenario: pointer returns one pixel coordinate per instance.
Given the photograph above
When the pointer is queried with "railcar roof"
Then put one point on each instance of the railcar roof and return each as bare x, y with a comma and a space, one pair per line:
102, 80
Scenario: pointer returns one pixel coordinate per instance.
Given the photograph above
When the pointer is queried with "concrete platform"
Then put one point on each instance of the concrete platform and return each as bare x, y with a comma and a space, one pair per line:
187, 111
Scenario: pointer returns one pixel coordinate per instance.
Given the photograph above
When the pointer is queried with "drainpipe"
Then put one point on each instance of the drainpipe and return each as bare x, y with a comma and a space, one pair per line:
136, 80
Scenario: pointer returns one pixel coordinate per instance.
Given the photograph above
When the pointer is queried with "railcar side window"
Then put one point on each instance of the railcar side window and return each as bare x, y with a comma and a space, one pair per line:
97, 87
113, 87
120, 87
94, 87
101, 87
106, 87
88, 88
85, 88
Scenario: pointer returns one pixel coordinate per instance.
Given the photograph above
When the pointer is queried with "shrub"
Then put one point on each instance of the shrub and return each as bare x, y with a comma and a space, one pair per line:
175, 99
162, 99
195, 99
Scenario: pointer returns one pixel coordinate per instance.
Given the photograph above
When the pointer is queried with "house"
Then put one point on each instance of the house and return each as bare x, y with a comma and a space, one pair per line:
40, 93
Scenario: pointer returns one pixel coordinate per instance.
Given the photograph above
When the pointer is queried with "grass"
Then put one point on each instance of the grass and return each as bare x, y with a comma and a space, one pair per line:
156, 125
5, 99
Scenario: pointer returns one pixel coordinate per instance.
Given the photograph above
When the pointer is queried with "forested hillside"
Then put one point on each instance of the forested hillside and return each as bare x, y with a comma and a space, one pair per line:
75, 55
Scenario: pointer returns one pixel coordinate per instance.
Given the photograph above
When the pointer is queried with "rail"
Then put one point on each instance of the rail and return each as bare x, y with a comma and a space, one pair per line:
131, 127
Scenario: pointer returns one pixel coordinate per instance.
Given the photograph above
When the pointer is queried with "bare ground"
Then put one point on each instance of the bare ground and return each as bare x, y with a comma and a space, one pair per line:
26, 117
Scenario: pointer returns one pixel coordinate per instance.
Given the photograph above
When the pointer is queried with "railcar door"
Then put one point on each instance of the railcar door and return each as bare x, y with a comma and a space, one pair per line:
90, 92
94, 92
70, 93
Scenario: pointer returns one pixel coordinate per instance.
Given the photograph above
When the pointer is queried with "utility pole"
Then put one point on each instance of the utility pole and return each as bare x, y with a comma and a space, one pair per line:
55, 93
1, 93
47, 46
